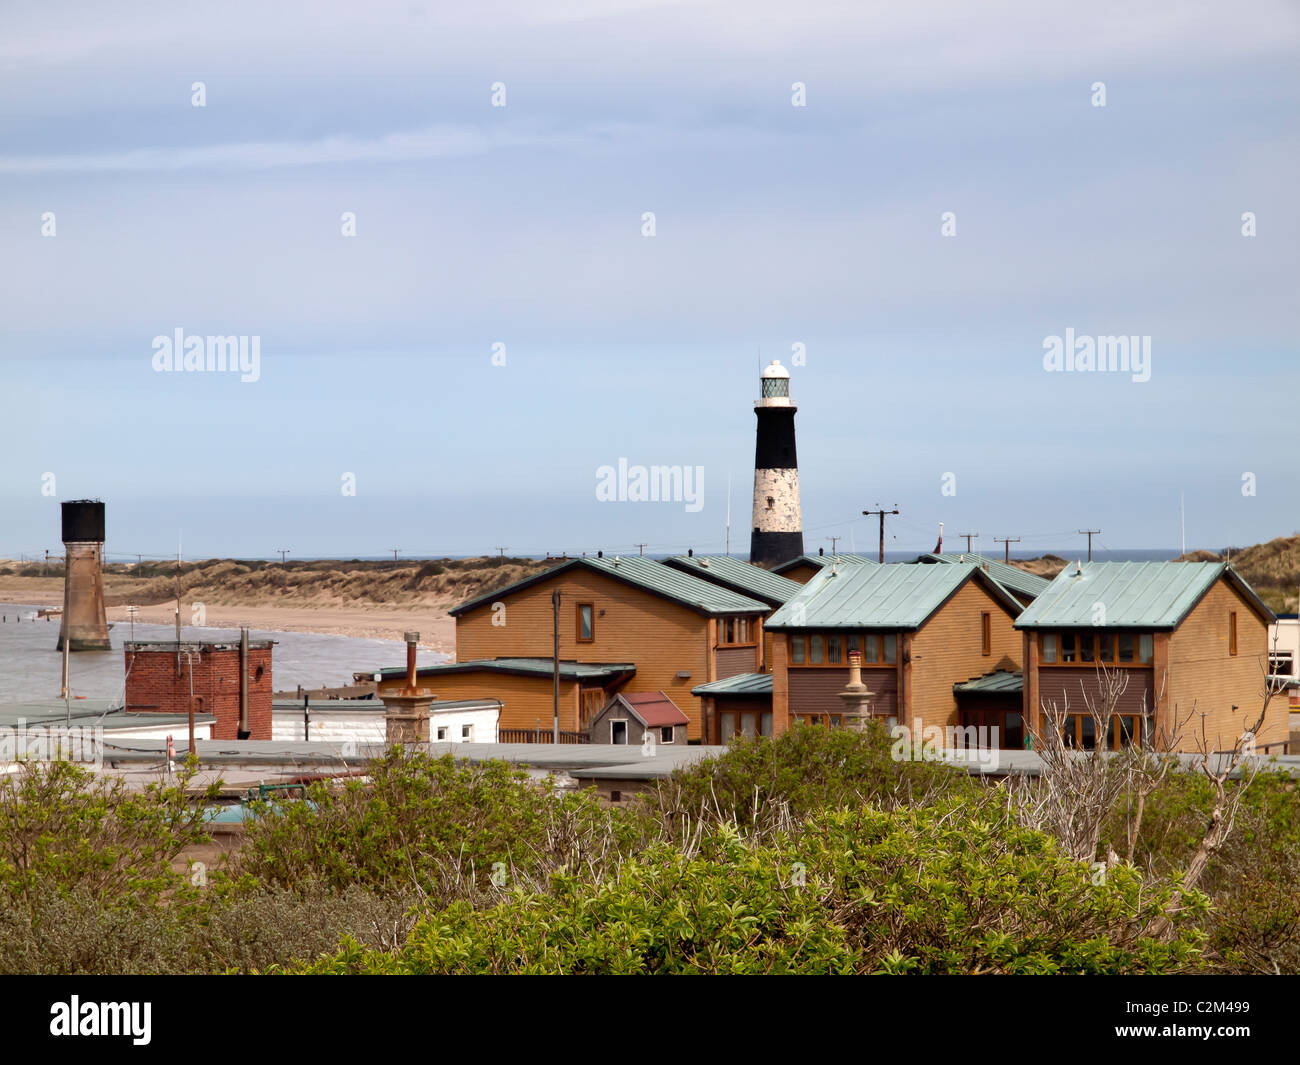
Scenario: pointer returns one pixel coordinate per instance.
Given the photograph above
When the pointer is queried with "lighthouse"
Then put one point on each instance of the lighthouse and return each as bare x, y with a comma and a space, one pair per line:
778, 521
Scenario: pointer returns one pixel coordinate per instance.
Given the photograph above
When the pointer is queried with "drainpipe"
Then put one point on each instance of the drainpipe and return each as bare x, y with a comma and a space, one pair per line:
244, 730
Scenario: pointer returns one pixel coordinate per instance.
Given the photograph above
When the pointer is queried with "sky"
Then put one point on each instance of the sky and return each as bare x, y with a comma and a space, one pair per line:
902, 202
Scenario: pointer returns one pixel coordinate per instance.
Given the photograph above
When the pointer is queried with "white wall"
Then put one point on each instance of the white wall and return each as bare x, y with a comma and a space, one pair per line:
367, 726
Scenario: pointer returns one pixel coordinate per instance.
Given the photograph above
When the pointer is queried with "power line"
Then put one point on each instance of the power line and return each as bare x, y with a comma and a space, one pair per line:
1089, 533
968, 537
1008, 541
881, 513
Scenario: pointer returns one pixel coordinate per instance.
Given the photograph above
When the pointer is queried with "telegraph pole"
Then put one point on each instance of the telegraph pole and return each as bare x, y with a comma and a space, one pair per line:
882, 514
968, 537
1007, 541
283, 551
642, 548
502, 551
834, 540
394, 550
1089, 533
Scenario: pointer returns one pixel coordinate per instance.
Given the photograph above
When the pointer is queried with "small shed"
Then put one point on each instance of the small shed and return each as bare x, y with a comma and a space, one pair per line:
626, 718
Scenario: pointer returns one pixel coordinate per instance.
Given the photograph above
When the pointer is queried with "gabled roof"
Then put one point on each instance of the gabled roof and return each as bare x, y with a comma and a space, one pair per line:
738, 575
654, 577
652, 709
821, 560
1013, 578
597, 672
897, 597
1134, 595
741, 684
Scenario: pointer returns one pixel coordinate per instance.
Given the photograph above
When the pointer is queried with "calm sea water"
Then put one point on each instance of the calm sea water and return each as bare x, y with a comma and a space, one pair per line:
30, 666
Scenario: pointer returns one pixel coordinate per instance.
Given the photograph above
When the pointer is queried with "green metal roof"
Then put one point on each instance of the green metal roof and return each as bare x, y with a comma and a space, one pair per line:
1000, 682
39, 713
739, 575
822, 560
542, 667
1134, 595
740, 684
1010, 577
898, 597
646, 573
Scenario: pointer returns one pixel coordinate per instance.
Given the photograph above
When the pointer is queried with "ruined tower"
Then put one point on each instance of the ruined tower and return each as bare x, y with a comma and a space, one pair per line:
85, 625
778, 521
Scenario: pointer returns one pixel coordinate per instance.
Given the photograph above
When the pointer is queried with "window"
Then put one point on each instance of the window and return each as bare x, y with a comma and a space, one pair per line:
1087, 649
986, 633
1049, 647
736, 632
871, 652
1146, 645
833, 649
891, 649
796, 650
586, 622
1232, 632
1105, 647
1281, 664
815, 650
666, 734
442, 732
1068, 652
466, 733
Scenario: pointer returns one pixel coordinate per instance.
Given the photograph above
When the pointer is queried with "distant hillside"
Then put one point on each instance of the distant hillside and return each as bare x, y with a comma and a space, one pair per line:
292, 583
1272, 569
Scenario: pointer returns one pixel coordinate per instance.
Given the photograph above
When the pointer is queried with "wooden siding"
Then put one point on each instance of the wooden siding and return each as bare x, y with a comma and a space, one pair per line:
661, 637
1068, 689
1203, 674
527, 702
732, 661
816, 691
803, 573
948, 650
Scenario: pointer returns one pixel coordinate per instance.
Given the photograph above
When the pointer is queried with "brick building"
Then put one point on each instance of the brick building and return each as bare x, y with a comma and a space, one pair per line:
161, 674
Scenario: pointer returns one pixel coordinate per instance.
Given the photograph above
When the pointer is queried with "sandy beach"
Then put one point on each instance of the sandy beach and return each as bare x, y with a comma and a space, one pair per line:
436, 628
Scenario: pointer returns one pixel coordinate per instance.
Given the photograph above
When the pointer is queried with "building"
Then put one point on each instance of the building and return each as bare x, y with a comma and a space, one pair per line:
1189, 638
618, 618
1024, 586
631, 717
362, 721
162, 677
778, 520
921, 630
804, 568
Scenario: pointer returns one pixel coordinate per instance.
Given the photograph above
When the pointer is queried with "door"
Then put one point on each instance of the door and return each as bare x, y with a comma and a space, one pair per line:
618, 732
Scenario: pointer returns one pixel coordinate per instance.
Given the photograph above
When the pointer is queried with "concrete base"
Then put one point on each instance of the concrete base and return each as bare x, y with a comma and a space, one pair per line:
406, 717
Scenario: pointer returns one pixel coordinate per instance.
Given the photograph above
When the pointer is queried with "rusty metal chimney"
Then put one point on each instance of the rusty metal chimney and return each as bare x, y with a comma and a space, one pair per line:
85, 624
406, 712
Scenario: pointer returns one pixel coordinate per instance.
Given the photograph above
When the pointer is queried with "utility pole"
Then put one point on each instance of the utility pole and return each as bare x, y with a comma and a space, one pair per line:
834, 540
642, 548
968, 537
501, 551
1089, 533
555, 676
882, 514
394, 550
283, 551
1007, 541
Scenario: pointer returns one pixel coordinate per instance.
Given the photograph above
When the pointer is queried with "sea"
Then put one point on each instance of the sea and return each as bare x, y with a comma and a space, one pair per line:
31, 669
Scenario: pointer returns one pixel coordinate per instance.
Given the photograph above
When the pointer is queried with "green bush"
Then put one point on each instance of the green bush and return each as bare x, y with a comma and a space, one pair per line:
926, 891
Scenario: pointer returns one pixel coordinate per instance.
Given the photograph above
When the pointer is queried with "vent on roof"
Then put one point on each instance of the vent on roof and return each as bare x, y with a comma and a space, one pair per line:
1078, 568
704, 562
617, 559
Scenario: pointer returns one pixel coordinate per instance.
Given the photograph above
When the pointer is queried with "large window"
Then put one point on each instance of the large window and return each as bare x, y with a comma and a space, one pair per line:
586, 622
1080, 731
1088, 647
833, 648
737, 632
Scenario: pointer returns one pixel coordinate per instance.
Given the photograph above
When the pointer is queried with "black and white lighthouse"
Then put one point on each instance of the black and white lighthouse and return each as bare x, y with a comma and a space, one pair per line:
778, 521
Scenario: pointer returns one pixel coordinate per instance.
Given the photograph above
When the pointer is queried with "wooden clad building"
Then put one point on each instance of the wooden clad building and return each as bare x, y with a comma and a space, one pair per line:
920, 631
1189, 639
805, 567
675, 630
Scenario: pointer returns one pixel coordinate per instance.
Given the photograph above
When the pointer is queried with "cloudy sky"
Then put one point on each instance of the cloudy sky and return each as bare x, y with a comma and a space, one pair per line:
778, 229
